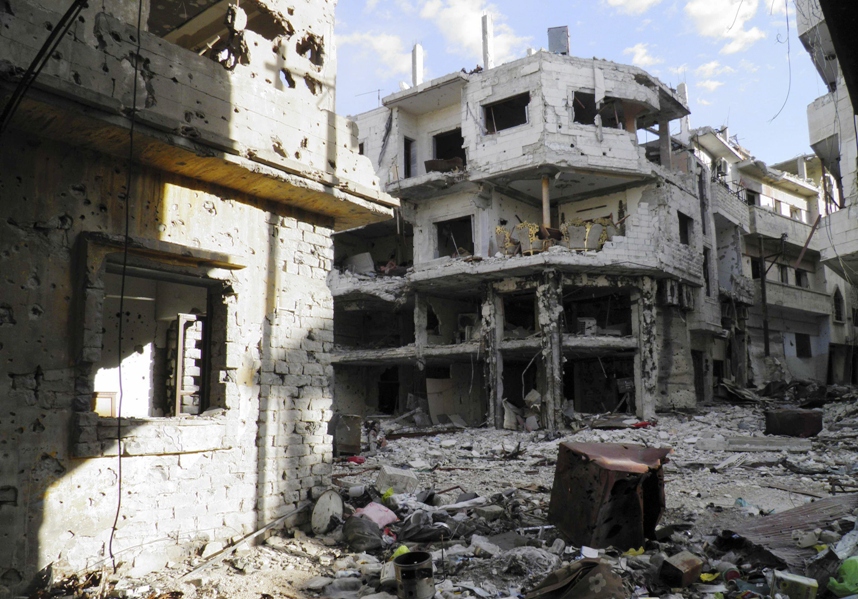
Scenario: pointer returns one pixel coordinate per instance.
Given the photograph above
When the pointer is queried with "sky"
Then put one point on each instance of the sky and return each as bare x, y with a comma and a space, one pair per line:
741, 59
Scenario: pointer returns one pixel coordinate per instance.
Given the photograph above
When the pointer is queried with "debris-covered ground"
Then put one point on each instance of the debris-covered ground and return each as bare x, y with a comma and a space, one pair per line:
743, 510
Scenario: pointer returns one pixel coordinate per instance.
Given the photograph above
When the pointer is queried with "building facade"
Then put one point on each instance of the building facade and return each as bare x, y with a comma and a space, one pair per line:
180, 238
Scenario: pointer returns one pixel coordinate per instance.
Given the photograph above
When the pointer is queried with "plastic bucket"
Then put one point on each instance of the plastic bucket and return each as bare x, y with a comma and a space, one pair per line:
414, 577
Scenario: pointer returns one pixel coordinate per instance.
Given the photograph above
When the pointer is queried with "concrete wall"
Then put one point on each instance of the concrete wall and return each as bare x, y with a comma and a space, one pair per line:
185, 480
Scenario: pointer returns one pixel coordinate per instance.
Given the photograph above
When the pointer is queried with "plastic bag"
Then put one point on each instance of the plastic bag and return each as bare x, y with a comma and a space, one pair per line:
847, 578
362, 534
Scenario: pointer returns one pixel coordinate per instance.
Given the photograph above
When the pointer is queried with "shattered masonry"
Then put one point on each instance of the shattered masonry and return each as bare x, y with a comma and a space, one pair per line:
241, 174
544, 246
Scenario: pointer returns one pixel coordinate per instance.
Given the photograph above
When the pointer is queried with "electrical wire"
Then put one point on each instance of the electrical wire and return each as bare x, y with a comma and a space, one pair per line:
45, 52
125, 245
789, 64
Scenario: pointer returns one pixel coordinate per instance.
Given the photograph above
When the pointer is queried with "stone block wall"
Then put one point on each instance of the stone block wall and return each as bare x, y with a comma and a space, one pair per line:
262, 447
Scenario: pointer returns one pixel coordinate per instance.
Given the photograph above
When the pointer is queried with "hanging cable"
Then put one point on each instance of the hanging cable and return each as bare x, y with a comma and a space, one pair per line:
45, 52
125, 245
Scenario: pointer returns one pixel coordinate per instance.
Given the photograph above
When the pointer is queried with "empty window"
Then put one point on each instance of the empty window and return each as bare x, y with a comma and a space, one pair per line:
752, 197
838, 305
795, 213
685, 224
455, 237
410, 158
584, 109
783, 273
165, 347
449, 146
506, 113
360, 148
755, 268
801, 278
706, 271
802, 346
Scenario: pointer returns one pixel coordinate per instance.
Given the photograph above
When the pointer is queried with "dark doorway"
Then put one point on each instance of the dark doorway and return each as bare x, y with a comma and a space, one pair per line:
388, 390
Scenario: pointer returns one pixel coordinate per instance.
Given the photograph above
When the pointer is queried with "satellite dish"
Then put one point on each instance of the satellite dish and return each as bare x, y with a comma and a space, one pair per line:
327, 513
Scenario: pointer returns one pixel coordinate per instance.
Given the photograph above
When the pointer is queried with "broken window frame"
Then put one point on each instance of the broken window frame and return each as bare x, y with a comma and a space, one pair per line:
802, 278
468, 245
839, 312
212, 287
491, 116
455, 152
182, 264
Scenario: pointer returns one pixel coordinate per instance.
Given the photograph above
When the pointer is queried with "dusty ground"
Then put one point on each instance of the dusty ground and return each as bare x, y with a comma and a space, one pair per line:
475, 460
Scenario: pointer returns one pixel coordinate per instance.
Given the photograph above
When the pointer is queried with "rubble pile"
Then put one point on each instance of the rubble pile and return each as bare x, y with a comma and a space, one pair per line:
456, 512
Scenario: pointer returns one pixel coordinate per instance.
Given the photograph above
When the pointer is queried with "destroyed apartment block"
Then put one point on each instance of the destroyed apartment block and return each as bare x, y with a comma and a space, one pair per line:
239, 173
557, 250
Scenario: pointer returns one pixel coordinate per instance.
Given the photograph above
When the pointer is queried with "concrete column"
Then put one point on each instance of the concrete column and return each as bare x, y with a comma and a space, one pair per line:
492, 336
646, 360
488, 43
417, 65
684, 122
550, 308
664, 148
421, 319
546, 201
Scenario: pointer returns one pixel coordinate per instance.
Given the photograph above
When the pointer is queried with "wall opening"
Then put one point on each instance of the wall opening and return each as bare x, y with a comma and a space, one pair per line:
839, 308
598, 385
801, 278
584, 109
685, 225
409, 155
802, 346
388, 390
455, 237
166, 346
752, 197
519, 315
598, 313
506, 114
706, 258
450, 145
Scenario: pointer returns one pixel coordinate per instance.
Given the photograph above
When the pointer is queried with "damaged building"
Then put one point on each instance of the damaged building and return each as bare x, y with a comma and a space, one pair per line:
172, 173
558, 250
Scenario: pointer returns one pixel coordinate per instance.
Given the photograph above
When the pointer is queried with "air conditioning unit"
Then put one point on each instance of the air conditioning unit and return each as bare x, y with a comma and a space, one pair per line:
686, 297
668, 292
722, 167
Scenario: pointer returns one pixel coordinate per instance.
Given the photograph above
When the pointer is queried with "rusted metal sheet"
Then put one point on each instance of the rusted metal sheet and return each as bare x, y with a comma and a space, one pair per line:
608, 494
774, 532
794, 422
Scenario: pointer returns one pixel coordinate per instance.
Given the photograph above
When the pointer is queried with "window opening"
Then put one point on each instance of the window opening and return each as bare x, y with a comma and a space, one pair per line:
506, 113
752, 197
410, 156
801, 278
802, 346
685, 224
360, 148
455, 237
755, 268
783, 273
450, 145
838, 305
795, 213
166, 342
706, 271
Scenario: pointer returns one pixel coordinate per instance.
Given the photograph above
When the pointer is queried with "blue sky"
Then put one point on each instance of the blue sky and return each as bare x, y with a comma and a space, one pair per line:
733, 54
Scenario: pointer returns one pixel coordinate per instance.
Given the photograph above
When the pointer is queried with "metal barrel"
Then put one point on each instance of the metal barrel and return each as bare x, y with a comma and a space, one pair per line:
414, 576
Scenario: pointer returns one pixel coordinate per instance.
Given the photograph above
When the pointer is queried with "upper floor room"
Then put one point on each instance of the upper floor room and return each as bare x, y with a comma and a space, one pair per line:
238, 94
585, 122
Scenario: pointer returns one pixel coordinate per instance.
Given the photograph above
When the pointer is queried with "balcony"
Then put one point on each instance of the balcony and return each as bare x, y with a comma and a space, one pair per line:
797, 299
822, 120
772, 225
838, 236
730, 204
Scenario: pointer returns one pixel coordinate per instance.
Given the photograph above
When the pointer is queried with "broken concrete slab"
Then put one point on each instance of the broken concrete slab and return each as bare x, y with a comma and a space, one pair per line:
751, 444
793, 422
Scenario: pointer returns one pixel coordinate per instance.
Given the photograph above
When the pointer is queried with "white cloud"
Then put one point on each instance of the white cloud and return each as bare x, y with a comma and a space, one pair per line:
726, 20
370, 5
680, 70
709, 84
391, 56
632, 7
460, 22
641, 56
711, 69
703, 102
747, 66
